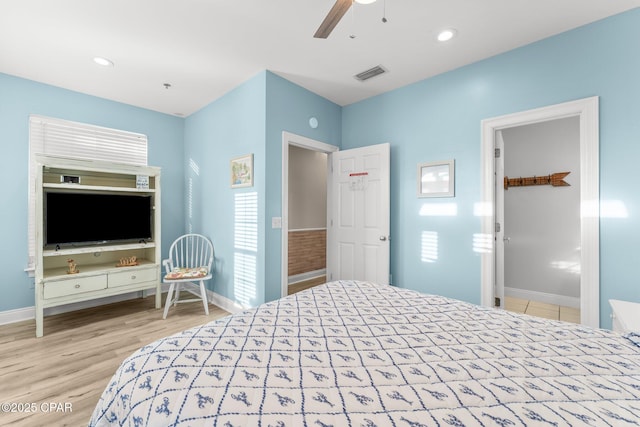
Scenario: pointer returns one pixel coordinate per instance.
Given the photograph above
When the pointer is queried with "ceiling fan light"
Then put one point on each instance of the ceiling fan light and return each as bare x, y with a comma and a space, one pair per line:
446, 35
365, 1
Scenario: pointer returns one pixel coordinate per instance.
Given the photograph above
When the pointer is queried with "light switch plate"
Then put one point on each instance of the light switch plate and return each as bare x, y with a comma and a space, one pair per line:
276, 222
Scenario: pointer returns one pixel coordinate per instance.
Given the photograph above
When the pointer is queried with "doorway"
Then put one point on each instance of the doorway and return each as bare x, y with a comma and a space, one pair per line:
307, 218
538, 209
586, 110
305, 147
358, 210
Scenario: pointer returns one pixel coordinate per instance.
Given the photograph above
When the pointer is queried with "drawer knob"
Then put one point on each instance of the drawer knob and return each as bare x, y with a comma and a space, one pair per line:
77, 286
133, 277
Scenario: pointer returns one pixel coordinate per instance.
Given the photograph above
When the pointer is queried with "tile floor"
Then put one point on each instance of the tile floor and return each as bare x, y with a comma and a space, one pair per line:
541, 309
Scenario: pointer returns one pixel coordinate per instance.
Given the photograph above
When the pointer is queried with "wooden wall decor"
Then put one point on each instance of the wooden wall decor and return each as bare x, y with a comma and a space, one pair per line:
554, 179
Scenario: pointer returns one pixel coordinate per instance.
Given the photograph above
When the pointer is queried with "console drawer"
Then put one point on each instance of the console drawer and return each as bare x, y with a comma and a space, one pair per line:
76, 285
130, 277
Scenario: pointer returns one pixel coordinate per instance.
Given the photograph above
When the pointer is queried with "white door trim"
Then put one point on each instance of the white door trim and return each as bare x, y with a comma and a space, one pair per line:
587, 109
310, 144
499, 219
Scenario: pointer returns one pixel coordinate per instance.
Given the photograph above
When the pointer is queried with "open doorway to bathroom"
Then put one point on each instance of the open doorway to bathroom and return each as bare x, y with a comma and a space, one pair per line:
541, 218
492, 176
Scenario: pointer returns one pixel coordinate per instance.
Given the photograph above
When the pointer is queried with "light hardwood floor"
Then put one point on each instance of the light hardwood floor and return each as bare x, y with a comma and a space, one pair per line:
78, 354
541, 309
301, 286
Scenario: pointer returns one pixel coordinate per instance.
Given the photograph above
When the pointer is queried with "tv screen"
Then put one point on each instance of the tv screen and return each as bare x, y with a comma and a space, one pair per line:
81, 218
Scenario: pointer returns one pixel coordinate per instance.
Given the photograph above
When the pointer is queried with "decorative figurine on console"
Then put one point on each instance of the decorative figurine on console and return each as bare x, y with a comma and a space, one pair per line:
73, 267
127, 261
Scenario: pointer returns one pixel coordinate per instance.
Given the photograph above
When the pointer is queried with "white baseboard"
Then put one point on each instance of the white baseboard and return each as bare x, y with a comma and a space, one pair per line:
29, 313
17, 315
573, 302
306, 276
224, 302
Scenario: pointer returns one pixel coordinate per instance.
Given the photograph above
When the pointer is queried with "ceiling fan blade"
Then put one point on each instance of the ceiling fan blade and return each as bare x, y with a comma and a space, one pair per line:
333, 17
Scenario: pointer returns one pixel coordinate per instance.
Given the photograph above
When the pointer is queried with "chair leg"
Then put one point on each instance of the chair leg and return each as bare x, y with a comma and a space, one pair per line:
177, 298
203, 295
168, 302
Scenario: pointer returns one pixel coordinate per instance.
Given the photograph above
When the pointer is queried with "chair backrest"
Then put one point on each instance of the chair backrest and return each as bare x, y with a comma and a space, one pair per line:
190, 251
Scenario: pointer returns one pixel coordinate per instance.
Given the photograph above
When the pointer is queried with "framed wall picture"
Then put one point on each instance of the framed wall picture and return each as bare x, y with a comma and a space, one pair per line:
242, 171
436, 179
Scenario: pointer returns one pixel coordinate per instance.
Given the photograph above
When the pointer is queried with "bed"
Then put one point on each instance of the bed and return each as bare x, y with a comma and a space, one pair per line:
351, 353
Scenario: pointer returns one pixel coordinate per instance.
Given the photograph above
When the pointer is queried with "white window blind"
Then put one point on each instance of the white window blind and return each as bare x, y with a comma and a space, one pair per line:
62, 138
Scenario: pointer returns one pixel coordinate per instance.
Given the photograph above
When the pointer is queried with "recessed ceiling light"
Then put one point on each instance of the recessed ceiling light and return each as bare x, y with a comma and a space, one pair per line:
103, 61
365, 1
446, 35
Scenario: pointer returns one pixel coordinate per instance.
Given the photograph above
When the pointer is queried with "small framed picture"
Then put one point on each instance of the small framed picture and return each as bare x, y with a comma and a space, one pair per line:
436, 179
242, 171
142, 182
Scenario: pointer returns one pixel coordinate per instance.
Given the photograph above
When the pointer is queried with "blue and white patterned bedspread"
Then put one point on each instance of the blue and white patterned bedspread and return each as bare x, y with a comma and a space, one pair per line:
359, 354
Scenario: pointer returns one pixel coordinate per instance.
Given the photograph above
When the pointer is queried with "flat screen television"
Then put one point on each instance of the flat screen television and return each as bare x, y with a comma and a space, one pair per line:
72, 219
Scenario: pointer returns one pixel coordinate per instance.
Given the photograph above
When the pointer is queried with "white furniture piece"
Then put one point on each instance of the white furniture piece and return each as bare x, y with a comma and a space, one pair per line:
101, 272
190, 260
625, 316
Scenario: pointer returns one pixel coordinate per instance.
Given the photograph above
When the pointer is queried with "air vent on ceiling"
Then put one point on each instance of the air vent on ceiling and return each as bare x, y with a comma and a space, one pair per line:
372, 72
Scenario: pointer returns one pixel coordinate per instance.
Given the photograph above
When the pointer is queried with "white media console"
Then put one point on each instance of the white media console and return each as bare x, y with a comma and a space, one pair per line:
75, 272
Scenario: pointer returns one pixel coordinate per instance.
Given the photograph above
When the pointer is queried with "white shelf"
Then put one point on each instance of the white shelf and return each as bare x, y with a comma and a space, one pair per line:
80, 187
97, 249
99, 275
92, 269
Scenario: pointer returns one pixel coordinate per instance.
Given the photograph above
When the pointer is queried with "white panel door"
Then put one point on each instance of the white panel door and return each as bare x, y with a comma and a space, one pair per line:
358, 223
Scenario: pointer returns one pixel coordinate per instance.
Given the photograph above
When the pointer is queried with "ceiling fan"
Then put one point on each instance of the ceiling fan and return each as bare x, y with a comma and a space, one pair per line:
334, 16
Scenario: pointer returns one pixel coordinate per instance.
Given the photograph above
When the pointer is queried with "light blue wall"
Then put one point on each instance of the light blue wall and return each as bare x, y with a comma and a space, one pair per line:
249, 119
194, 154
289, 108
439, 118
232, 126
18, 99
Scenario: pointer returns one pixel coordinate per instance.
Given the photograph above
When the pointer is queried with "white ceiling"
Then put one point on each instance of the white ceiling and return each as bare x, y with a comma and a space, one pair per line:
204, 48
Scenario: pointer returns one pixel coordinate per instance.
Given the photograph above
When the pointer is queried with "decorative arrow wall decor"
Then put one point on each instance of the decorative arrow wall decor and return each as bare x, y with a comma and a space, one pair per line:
555, 179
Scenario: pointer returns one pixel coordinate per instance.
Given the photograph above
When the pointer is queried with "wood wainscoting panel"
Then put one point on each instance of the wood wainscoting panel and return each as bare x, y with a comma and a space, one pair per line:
307, 251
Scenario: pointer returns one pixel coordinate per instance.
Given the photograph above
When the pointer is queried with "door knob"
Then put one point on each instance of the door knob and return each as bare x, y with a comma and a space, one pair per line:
383, 238
506, 239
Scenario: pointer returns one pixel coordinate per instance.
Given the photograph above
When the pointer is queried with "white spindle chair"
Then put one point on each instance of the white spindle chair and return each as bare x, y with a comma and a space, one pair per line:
190, 261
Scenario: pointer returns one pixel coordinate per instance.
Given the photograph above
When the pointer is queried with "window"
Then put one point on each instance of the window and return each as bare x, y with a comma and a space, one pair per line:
55, 137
